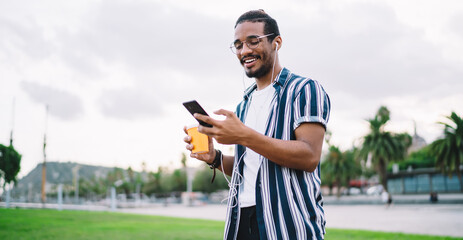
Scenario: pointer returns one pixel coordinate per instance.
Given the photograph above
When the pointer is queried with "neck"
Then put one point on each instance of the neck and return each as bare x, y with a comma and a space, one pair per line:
268, 78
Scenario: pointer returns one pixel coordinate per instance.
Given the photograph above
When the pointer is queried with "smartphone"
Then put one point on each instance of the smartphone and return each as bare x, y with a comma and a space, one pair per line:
194, 107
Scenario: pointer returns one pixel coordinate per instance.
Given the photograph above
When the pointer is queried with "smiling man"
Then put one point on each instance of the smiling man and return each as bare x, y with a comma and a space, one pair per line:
278, 130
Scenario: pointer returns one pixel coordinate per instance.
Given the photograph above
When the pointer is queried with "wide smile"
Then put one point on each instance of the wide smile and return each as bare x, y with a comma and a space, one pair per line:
249, 61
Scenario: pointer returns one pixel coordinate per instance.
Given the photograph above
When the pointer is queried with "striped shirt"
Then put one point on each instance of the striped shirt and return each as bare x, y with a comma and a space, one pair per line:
289, 203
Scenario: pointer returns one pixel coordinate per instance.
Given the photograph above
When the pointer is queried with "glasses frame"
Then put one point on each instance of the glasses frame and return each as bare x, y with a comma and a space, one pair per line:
235, 50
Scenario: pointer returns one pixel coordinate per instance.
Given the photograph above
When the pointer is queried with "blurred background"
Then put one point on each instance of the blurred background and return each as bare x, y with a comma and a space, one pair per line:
95, 87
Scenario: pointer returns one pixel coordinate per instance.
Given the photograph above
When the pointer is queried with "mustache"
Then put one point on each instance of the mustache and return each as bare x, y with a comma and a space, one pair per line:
247, 56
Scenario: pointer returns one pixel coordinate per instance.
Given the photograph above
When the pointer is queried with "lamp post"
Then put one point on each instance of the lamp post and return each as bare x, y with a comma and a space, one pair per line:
75, 172
44, 167
113, 194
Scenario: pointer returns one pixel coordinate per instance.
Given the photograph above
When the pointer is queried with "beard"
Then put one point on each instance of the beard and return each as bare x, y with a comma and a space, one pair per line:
263, 70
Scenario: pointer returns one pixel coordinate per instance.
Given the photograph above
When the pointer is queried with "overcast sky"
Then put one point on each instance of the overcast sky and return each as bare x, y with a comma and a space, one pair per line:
114, 73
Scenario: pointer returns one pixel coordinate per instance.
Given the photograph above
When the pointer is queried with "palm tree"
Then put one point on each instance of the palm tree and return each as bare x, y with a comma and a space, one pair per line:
332, 169
338, 167
352, 165
383, 146
449, 150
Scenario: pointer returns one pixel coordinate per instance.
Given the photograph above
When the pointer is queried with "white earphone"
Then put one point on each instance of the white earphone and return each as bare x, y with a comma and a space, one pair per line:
276, 48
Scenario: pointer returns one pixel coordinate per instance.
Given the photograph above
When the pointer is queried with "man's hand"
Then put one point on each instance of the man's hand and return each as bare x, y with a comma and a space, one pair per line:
228, 131
227, 161
206, 157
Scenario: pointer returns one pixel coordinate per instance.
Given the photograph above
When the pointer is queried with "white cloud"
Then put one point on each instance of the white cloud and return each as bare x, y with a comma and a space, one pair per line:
364, 49
456, 24
26, 37
130, 103
62, 104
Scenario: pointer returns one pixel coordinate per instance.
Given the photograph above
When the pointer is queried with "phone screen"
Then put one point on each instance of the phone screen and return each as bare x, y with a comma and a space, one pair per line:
194, 107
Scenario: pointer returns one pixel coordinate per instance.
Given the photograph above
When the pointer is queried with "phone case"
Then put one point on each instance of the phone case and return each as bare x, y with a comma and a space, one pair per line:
194, 107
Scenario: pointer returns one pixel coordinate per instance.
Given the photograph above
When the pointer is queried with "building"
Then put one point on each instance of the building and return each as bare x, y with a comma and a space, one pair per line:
418, 142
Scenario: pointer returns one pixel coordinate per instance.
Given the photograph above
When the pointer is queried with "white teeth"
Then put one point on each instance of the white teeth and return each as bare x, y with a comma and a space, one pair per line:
249, 60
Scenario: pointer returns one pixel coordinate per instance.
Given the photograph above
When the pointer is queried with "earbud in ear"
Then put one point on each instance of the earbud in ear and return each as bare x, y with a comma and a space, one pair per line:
276, 47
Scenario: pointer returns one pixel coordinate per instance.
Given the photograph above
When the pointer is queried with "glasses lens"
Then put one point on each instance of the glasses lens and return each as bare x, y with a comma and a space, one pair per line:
237, 45
252, 42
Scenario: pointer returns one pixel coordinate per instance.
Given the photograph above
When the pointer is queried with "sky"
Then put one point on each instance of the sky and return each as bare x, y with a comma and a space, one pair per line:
114, 73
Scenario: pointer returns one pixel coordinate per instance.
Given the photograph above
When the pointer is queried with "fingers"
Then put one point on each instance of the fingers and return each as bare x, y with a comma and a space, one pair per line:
187, 139
205, 157
212, 121
189, 147
206, 130
194, 155
224, 112
204, 118
185, 129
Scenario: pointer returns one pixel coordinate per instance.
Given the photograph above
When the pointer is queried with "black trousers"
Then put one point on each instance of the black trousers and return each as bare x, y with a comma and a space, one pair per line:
248, 228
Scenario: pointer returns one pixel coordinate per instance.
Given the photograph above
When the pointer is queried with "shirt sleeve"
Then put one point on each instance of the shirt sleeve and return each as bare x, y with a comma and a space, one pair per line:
312, 104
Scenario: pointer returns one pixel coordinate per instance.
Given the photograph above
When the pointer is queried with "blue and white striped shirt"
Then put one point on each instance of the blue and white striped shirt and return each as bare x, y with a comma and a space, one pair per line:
289, 203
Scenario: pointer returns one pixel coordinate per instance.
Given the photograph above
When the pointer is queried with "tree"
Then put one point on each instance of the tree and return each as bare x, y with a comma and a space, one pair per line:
10, 164
93, 188
329, 169
176, 182
352, 167
183, 160
202, 181
418, 159
383, 146
162, 183
449, 149
339, 168
154, 184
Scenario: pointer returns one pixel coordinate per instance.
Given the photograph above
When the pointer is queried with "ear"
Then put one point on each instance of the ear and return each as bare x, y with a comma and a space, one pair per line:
278, 43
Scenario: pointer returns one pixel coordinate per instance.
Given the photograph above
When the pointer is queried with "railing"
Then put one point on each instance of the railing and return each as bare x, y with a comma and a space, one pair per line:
422, 181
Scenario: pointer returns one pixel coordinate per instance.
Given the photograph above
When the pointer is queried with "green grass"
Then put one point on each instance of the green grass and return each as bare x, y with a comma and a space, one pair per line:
24, 224
52, 224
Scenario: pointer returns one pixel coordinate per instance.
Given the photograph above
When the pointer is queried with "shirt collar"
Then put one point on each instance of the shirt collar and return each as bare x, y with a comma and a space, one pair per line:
281, 79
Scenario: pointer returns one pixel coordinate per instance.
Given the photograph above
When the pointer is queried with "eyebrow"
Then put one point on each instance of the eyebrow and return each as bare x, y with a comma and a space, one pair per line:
247, 37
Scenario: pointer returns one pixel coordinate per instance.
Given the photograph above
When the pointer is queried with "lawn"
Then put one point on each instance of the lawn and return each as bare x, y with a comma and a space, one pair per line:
27, 224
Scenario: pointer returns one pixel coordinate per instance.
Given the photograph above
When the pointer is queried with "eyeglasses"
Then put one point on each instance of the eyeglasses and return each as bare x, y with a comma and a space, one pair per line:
252, 42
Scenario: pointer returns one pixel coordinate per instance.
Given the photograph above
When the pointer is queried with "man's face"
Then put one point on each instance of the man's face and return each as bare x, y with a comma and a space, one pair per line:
256, 62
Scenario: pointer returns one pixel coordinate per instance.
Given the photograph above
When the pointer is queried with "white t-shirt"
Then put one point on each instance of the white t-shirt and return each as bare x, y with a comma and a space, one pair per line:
256, 119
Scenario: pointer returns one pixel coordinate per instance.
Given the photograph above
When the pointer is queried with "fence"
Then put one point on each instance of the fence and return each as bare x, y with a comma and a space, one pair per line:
422, 181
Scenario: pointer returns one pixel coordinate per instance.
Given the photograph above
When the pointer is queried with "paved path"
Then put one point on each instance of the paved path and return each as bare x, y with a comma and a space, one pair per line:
443, 220
429, 219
